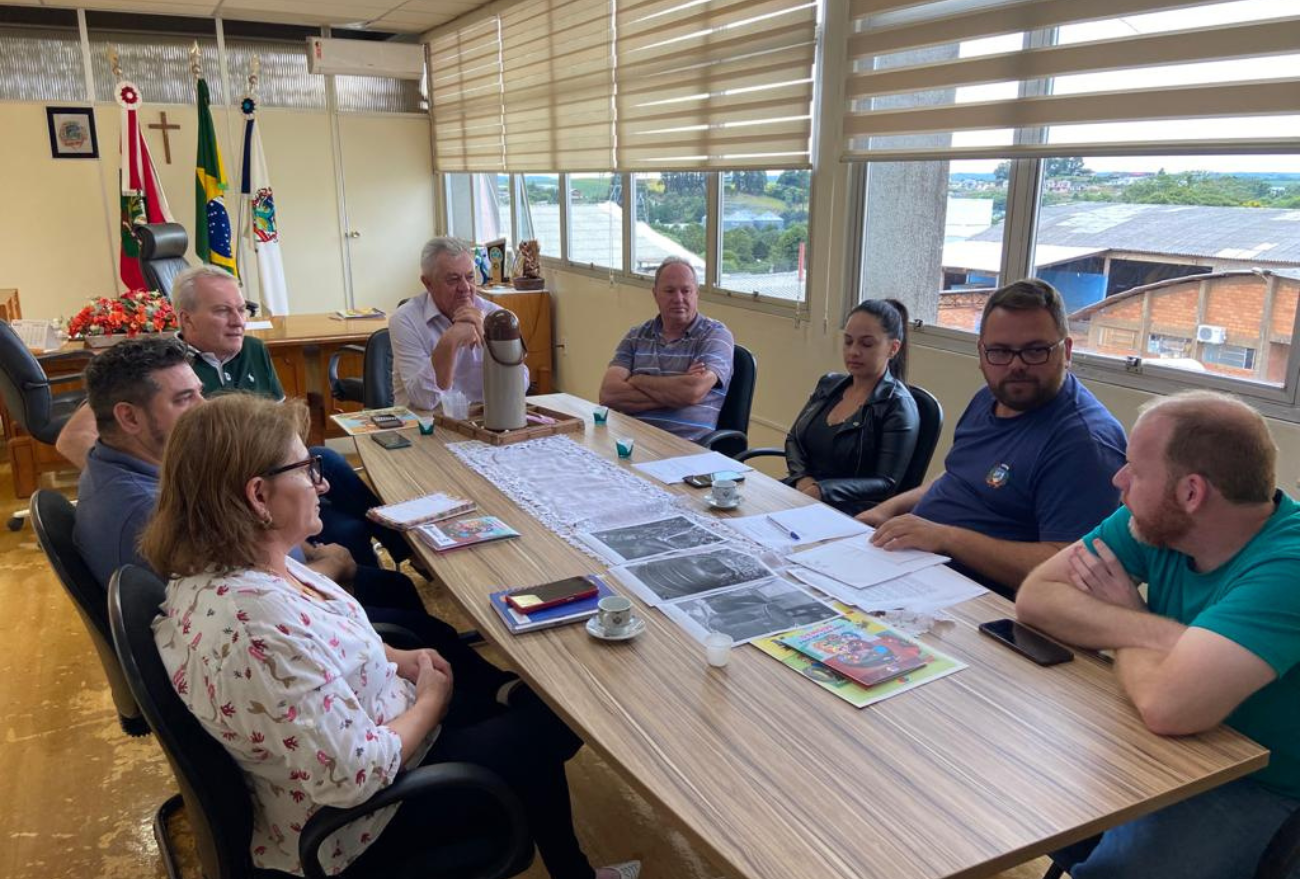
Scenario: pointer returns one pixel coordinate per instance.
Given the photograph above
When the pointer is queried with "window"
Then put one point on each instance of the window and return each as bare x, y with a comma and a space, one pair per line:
596, 220
541, 196
670, 220
764, 232
1231, 356
40, 55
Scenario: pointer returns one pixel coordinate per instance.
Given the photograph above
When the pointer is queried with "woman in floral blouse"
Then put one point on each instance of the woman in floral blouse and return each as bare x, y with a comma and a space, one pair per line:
280, 664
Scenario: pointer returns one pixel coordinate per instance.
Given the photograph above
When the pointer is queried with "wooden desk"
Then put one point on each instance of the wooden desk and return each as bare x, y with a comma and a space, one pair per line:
963, 777
533, 308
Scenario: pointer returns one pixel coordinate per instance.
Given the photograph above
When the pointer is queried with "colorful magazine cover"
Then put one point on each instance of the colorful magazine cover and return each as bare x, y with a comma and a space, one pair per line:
361, 423
464, 532
937, 664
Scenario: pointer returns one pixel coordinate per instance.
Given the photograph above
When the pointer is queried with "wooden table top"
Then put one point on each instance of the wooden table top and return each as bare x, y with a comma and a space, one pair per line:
306, 329
962, 777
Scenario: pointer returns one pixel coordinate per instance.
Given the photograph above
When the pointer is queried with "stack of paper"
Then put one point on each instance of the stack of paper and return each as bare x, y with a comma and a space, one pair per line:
857, 563
924, 591
670, 470
787, 529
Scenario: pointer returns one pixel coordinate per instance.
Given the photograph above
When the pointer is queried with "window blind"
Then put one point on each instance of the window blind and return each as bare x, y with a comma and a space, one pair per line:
1018, 78
558, 86
465, 97
714, 83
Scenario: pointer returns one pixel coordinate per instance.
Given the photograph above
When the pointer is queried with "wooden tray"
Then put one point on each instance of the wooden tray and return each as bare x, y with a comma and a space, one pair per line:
473, 426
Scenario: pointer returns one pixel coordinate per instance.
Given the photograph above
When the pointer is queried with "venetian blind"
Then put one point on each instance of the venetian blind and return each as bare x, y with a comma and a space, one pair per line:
558, 87
983, 78
465, 97
714, 83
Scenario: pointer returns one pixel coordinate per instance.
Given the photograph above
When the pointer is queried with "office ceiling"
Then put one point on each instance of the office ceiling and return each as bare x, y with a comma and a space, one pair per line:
399, 16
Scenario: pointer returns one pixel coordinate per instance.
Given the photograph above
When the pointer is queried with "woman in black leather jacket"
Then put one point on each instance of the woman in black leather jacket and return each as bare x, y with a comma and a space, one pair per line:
851, 444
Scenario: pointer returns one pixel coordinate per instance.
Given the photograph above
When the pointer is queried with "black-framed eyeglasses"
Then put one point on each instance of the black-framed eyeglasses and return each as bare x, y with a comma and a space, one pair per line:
1035, 355
313, 465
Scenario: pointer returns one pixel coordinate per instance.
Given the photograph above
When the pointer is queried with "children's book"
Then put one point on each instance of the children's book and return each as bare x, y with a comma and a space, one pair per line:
868, 658
937, 664
420, 511
446, 536
559, 615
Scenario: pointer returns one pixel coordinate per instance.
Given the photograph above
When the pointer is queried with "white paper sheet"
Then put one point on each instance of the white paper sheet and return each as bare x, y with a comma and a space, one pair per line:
817, 522
258, 325
855, 562
761, 530
670, 470
668, 578
751, 611
646, 540
926, 591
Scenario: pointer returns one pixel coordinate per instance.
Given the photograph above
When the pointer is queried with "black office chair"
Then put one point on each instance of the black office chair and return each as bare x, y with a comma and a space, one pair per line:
29, 396
52, 518
216, 798
1280, 860
162, 254
373, 389
732, 434
927, 439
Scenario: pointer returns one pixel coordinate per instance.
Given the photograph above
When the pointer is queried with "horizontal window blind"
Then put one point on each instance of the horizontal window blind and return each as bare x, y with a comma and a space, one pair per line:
465, 97
557, 68
1112, 76
714, 83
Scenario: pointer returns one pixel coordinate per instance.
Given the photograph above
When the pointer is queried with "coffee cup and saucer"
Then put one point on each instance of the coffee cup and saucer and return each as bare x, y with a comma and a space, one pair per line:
614, 620
725, 495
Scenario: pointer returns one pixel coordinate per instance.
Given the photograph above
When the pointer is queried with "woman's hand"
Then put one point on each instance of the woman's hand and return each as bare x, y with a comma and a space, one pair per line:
408, 662
433, 682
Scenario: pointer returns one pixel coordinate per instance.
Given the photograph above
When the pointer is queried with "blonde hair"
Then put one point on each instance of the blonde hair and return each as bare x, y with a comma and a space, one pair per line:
1219, 437
203, 520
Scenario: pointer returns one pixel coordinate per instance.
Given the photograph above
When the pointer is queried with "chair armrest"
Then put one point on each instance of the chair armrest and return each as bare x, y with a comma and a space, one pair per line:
1282, 855
397, 637
763, 452
66, 378
334, 363
443, 779
728, 442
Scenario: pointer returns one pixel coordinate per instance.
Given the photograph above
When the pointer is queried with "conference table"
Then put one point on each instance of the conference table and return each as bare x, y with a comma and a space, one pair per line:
774, 777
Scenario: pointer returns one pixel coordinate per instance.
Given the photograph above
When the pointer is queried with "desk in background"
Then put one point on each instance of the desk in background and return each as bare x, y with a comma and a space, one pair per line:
533, 308
772, 775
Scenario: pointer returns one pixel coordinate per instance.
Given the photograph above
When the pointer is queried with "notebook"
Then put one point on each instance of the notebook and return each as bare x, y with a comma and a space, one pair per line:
422, 510
559, 615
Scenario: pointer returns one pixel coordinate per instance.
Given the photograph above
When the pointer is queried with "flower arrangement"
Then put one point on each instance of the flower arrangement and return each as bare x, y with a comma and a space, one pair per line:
133, 313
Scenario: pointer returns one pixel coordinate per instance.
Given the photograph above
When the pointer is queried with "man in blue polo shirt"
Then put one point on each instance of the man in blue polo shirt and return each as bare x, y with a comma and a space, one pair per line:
1216, 640
1032, 456
672, 371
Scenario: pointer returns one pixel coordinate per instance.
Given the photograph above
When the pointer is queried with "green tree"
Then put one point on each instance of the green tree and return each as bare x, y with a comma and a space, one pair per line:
1066, 167
792, 179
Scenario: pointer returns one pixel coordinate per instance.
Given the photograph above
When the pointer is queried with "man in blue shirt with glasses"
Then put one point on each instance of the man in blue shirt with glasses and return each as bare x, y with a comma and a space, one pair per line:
1032, 457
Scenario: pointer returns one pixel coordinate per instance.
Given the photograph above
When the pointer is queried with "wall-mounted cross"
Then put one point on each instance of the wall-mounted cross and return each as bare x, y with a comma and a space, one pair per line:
164, 127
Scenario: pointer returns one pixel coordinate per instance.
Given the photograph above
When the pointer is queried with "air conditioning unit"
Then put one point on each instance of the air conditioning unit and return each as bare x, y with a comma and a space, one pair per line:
364, 58
1211, 335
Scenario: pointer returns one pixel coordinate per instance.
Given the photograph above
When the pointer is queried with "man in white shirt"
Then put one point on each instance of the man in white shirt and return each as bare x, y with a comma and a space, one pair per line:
438, 338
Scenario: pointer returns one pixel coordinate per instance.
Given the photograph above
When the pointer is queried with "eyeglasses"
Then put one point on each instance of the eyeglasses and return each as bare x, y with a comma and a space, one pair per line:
1036, 355
313, 465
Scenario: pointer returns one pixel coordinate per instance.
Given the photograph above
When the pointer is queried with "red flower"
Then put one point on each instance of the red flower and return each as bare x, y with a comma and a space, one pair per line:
291, 743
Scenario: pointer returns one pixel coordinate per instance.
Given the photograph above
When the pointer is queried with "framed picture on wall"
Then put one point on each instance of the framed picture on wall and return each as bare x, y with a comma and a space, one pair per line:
72, 132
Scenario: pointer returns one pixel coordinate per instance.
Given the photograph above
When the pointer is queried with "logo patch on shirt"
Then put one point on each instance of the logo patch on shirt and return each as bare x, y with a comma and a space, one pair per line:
998, 476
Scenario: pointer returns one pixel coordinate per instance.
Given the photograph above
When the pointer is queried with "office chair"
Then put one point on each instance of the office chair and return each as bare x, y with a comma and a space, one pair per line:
52, 519
373, 389
927, 438
216, 798
162, 256
731, 436
29, 397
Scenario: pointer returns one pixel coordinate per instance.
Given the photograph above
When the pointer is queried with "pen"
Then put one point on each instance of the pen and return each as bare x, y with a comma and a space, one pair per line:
784, 530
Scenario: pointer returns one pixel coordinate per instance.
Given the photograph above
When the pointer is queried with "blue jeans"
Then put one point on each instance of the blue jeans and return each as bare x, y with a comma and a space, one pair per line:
343, 512
1219, 834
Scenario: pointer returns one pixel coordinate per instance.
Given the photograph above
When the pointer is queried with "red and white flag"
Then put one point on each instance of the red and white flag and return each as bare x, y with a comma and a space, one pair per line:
143, 200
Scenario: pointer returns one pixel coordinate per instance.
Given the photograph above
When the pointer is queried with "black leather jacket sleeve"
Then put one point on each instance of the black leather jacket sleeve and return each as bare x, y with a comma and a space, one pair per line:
878, 479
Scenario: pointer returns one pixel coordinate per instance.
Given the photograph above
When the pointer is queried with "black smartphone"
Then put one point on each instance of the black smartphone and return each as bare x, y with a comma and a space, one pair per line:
704, 480
391, 441
1026, 642
386, 422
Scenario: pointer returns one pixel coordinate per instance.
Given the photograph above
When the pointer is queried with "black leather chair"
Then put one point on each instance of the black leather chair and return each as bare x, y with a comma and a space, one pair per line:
29, 396
52, 518
931, 418
162, 254
373, 389
216, 799
732, 434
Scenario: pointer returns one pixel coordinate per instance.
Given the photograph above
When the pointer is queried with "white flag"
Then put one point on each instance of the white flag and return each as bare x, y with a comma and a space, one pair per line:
257, 220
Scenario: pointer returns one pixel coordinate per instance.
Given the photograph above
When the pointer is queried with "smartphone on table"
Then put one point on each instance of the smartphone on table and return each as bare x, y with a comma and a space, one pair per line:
705, 480
535, 598
1026, 642
391, 441
386, 422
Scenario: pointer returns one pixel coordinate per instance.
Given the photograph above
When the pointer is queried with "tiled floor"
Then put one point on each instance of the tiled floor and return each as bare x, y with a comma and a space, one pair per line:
77, 796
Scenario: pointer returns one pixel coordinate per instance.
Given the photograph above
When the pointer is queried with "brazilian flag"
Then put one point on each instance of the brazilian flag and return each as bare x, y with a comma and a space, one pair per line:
213, 242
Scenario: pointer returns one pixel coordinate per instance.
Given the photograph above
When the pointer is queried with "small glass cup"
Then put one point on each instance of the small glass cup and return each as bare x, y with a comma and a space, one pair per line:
426, 424
624, 445
600, 415
717, 648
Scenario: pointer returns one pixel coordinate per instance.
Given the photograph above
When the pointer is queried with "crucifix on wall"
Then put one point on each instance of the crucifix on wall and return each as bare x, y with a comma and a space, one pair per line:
164, 126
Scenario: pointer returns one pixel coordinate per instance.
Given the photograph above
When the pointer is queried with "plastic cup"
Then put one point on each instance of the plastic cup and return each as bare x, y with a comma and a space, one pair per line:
717, 648
624, 446
600, 415
426, 425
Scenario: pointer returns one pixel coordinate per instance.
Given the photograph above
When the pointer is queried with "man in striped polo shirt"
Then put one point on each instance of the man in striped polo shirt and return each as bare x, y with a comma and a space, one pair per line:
672, 371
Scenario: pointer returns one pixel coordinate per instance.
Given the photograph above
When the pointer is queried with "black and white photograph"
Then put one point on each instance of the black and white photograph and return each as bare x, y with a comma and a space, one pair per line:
750, 611
633, 542
679, 576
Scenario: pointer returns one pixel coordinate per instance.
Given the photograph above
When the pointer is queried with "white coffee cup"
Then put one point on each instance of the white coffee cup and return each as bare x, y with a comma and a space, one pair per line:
615, 613
725, 493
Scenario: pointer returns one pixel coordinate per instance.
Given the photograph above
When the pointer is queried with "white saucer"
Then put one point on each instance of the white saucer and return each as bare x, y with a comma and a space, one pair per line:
708, 499
596, 630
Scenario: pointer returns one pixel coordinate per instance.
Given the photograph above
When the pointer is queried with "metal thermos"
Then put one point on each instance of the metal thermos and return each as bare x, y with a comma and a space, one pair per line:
504, 375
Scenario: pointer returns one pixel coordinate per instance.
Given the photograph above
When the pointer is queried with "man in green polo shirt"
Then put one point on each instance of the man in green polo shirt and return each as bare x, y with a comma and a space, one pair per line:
212, 315
1217, 639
